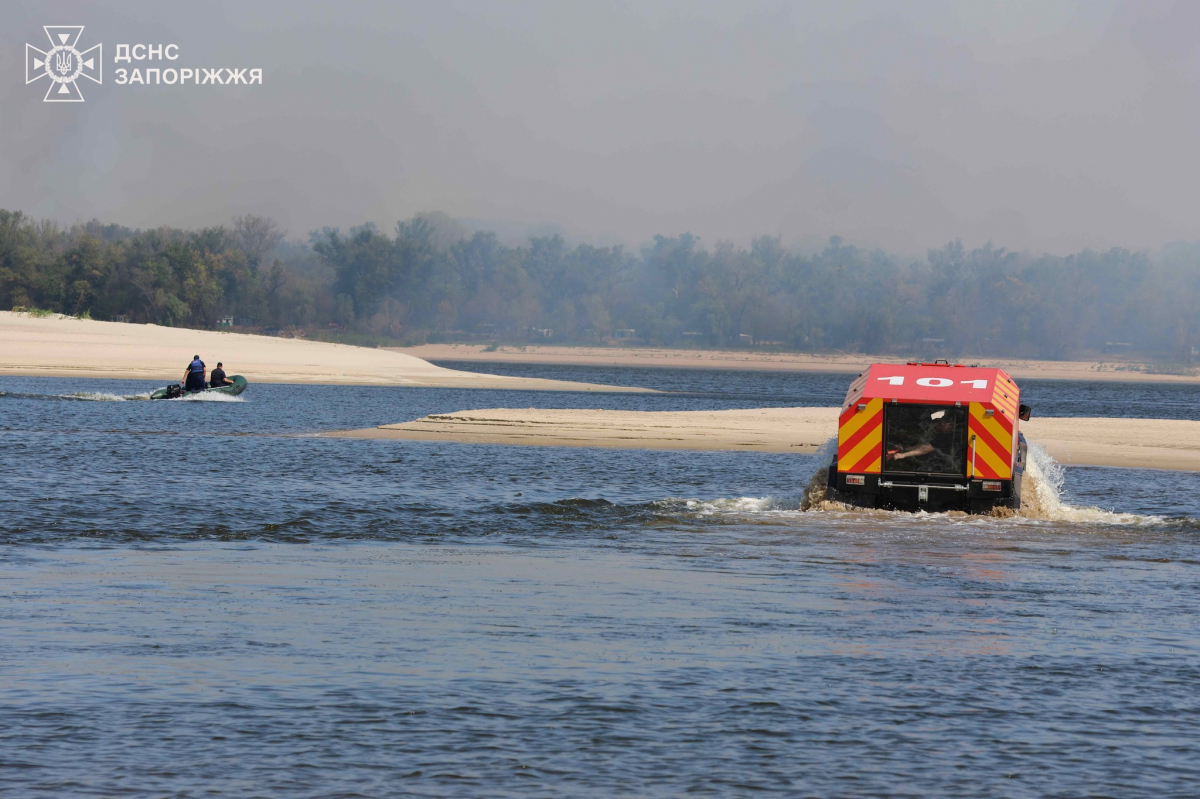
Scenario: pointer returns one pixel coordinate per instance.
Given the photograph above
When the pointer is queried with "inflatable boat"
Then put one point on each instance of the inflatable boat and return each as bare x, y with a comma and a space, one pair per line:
174, 391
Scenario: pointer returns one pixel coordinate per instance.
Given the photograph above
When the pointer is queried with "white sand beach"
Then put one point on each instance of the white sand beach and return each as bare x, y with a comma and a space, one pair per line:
58, 346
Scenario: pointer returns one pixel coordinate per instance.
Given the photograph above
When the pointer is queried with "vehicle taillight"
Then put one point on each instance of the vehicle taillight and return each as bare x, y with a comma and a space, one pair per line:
857, 480
991, 485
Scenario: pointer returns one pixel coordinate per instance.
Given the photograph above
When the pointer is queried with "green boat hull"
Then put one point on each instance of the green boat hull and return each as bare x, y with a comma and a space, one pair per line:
171, 392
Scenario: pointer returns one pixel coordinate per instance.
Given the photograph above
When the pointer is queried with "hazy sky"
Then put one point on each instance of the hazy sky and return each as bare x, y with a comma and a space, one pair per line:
1038, 125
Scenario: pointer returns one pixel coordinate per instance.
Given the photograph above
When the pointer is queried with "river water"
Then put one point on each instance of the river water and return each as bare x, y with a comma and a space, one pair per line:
201, 597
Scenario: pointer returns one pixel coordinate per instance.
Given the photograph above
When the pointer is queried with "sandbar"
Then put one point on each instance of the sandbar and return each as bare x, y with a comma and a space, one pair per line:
658, 357
1141, 443
58, 346
754, 430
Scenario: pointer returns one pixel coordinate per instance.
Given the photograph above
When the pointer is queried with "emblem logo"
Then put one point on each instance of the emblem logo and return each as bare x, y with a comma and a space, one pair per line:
63, 64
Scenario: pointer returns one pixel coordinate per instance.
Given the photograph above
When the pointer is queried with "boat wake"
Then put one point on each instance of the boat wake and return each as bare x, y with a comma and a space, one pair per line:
742, 505
99, 396
79, 396
102, 396
1041, 496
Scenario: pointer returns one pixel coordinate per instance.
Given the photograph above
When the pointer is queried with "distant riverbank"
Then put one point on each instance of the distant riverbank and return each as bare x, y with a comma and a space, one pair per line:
771, 361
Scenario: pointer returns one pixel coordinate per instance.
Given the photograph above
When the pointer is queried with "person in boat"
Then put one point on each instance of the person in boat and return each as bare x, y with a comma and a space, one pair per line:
193, 376
217, 378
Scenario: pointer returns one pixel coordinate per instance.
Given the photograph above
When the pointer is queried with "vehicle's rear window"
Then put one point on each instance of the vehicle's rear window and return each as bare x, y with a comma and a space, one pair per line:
925, 438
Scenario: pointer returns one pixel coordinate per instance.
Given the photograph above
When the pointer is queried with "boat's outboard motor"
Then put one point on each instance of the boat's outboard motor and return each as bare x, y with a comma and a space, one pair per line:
174, 391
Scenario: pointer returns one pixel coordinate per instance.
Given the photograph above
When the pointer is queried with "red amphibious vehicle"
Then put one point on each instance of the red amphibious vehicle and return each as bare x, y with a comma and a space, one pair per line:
930, 436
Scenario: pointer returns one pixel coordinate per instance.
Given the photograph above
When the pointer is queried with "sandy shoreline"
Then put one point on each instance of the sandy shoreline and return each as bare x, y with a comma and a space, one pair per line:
767, 361
1140, 443
65, 347
59, 346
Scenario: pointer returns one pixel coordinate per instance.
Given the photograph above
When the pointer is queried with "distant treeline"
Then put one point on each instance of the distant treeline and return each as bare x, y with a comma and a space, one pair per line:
433, 281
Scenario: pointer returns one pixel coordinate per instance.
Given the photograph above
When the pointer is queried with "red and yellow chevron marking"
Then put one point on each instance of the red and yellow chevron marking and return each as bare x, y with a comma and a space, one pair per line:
1006, 397
992, 437
860, 438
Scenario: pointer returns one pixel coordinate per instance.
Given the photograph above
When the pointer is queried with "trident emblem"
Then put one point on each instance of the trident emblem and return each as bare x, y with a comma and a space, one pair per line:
63, 64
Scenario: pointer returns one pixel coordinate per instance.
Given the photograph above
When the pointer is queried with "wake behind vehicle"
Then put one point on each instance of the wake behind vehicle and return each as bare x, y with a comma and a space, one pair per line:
930, 436
174, 391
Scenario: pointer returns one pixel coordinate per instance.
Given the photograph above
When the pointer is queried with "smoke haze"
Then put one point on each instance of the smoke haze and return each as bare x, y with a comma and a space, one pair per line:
1042, 126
